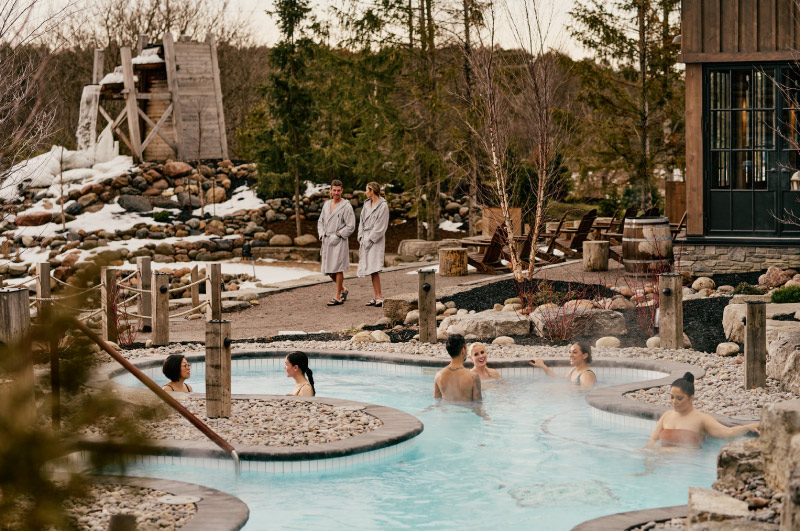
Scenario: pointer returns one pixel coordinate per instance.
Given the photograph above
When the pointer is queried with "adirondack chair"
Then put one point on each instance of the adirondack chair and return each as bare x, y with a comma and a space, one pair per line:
651, 212
573, 246
546, 256
488, 261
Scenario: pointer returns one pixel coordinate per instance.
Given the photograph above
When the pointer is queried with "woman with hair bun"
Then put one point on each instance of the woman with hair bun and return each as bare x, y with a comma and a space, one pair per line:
580, 356
296, 366
683, 425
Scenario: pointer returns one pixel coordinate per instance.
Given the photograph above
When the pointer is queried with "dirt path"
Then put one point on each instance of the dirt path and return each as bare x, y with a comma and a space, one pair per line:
304, 308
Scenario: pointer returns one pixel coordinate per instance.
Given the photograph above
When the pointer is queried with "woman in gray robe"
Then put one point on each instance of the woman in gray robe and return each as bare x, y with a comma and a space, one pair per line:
336, 223
372, 239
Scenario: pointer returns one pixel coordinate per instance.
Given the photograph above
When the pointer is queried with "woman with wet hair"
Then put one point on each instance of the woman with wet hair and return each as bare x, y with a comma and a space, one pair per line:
178, 370
683, 425
580, 356
479, 357
296, 366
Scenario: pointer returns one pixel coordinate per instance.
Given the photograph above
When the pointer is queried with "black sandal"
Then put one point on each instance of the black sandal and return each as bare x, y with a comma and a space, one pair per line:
344, 295
335, 302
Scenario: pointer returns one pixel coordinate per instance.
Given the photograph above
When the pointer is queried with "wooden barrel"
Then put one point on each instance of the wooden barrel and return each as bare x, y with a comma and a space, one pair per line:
647, 246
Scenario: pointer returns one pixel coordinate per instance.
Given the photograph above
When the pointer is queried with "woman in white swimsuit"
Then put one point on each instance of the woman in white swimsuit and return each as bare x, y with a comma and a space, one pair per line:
296, 366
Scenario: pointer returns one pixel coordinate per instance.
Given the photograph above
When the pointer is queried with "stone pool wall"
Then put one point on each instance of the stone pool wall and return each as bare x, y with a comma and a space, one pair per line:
710, 259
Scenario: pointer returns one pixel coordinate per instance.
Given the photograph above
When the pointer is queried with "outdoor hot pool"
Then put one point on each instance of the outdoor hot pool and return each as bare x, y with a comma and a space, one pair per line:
539, 457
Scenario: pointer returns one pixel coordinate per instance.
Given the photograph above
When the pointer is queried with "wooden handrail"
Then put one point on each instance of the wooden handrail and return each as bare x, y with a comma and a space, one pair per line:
163, 395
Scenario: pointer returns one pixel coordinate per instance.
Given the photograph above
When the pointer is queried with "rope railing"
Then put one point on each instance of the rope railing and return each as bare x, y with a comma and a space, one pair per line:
190, 310
135, 290
128, 277
33, 278
136, 315
130, 299
181, 288
75, 287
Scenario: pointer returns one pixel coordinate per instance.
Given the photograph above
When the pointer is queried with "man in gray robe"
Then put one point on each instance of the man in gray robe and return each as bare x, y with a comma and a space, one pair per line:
336, 223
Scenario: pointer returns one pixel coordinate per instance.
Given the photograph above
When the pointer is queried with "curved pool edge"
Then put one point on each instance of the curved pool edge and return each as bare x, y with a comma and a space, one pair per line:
631, 519
216, 510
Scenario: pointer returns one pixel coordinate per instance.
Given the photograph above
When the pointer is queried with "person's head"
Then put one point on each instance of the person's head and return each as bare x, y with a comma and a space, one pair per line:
297, 362
176, 367
336, 189
455, 345
681, 394
580, 353
477, 351
373, 190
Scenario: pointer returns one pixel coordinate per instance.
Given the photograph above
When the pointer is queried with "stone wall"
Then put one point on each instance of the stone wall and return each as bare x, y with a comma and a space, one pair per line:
709, 259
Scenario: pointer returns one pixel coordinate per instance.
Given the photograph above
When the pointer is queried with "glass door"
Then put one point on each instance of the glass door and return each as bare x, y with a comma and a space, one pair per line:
788, 166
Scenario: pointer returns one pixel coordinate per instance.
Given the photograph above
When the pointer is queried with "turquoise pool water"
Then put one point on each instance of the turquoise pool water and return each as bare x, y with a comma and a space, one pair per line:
543, 459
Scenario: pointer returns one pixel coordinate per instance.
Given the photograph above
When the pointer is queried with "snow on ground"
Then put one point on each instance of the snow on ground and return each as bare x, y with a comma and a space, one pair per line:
111, 218
434, 268
315, 188
265, 274
447, 225
241, 198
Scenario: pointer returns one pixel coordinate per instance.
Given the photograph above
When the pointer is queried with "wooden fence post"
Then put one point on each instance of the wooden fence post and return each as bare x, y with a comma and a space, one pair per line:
15, 317
218, 369
195, 289
160, 295
43, 287
214, 292
427, 305
755, 345
108, 292
145, 305
670, 305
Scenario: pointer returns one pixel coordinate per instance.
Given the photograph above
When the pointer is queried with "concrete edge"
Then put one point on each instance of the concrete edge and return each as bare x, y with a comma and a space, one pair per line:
216, 510
632, 519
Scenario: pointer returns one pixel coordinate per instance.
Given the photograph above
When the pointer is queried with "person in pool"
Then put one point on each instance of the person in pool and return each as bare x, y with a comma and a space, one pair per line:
477, 352
580, 356
296, 366
455, 382
683, 425
178, 370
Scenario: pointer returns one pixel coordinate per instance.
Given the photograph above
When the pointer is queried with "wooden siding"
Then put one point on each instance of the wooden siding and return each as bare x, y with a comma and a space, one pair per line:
694, 149
739, 30
157, 149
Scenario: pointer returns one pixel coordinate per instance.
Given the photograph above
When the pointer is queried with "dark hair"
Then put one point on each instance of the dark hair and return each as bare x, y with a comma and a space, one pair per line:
586, 348
172, 367
455, 344
301, 360
336, 182
685, 384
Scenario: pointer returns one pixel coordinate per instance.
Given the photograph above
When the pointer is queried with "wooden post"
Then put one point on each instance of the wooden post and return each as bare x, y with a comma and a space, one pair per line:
141, 42
108, 292
131, 104
453, 262
98, 66
223, 136
427, 305
145, 306
214, 292
160, 291
670, 304
195, 289
43, 287
15, 334
595, 255
172, 83
755, 345
218, 369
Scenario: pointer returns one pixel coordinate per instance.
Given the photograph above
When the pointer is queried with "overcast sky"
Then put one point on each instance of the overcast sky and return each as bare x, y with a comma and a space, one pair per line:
266, 31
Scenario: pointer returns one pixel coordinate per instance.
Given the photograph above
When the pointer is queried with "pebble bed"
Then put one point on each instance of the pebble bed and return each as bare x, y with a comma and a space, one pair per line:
95, 510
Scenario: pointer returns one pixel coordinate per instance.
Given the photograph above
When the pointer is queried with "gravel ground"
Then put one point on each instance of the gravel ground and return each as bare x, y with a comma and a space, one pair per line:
94, 511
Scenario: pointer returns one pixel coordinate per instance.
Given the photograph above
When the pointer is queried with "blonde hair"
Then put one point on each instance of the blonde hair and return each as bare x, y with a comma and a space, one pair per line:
375, 187
477, 344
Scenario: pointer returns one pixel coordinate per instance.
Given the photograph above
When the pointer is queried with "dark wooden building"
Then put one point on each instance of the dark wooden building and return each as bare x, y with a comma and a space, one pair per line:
742, 133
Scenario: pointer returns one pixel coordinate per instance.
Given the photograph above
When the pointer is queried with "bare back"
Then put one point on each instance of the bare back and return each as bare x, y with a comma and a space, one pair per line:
459, 385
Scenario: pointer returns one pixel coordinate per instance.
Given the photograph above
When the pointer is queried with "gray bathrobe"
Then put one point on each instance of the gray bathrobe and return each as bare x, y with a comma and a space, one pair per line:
372, 236
335, 250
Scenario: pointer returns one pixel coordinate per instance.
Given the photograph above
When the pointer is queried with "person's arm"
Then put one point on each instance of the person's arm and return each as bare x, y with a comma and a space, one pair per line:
381, 224
321, 221
437, 393
656, 431
538, 362
714, 428
588, 379
349, 220
476, 388
361, 226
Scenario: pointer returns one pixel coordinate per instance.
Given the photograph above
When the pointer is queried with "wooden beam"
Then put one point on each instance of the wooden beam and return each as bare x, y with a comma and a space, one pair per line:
694, 149
172, 83
747, 57
141, 42
223, 138
130, 103
98, 66
153, 96
157, 129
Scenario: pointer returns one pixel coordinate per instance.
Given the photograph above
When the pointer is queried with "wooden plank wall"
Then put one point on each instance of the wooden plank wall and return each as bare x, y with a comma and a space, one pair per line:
694, 149
200, 123
157, 149
739, 30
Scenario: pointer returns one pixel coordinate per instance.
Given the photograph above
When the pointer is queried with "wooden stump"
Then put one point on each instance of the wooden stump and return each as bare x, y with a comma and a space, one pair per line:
595, 255
15, 341
427, 305
453, 261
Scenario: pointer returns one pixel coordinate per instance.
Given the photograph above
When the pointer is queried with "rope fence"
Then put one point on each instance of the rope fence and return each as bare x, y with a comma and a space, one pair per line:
190, 310
187, 286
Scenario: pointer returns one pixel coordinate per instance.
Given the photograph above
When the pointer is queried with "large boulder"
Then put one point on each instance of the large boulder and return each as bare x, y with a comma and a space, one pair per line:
306, 240
175, 169
135, 203
33, 219
737, 463
487, 324
549, 322
774, 277
709, 505
780, 442
783, 361
280, 240
733, 318
215, 195
703, 283
421, 248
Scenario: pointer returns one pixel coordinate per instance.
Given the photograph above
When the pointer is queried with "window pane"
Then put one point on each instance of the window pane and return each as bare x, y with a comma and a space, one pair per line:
719, 82
741, 129
720, 129
760, 170
741, 89
743, 170
719, 169
790, 87
763, 130
764, 89
791, 129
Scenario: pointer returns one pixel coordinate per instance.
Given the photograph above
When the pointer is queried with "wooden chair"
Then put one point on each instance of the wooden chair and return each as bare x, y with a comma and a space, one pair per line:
651, 212
614, 234
548, 256
676, 230
488, 261
574, 246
